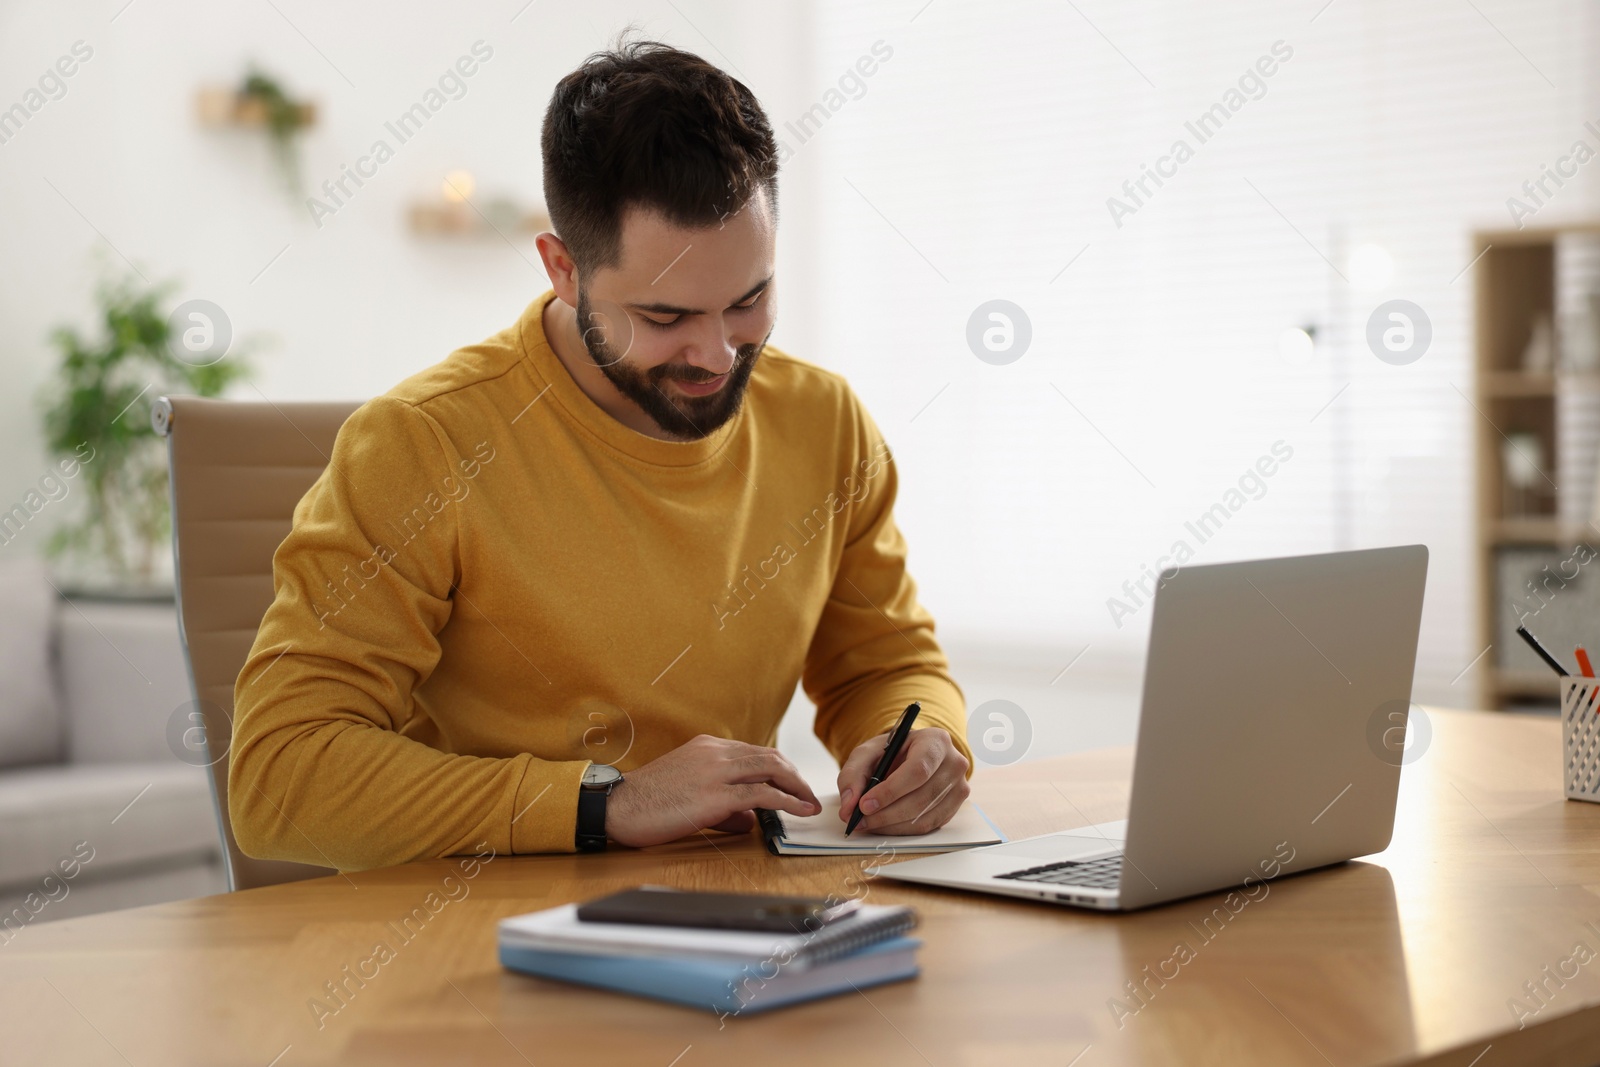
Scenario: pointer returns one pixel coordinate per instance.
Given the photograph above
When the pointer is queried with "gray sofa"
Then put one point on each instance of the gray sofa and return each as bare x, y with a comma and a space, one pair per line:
104, 802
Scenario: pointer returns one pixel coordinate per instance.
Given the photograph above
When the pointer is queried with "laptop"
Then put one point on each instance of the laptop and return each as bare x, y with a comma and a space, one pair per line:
1271, 736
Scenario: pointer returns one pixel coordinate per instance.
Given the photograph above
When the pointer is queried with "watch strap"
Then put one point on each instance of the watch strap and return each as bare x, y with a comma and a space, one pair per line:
592, 819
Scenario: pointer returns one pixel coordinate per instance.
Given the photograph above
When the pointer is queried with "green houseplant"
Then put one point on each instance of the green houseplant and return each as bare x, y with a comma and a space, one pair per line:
99, 406
284, 119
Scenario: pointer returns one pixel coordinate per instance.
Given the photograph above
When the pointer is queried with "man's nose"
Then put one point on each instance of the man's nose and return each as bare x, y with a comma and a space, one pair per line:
714, 350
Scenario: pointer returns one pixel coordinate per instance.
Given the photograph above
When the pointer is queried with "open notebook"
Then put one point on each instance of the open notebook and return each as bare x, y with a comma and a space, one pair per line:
823, 834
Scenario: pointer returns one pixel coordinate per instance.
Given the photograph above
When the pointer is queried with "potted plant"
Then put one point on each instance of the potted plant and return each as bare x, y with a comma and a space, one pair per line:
284, 120
261, 102
97, 417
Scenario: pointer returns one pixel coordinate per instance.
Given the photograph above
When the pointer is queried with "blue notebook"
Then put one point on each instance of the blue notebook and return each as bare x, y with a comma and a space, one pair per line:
724, 986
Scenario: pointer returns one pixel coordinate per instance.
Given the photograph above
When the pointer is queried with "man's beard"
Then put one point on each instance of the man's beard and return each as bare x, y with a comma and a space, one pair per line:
686, 417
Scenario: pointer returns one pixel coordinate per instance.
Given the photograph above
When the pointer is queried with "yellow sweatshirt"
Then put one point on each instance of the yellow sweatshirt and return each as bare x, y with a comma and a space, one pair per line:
495, 583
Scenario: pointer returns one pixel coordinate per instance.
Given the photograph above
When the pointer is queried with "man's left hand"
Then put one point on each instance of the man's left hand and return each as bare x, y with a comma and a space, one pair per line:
925, 786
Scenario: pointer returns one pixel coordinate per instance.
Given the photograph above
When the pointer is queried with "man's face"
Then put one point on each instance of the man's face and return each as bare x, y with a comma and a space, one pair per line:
678, 324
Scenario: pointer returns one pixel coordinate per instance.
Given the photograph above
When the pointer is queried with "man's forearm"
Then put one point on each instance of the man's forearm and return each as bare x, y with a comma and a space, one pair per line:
875, 705
356, 797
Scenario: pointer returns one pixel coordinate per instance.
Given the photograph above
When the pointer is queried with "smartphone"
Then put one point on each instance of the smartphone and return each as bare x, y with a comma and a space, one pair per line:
664, 906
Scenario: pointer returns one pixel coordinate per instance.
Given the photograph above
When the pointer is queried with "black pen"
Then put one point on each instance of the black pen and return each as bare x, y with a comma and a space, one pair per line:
1533, 642
897, 741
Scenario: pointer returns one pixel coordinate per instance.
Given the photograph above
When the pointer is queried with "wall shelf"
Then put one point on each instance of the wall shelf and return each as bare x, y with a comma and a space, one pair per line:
461, 220
221, 106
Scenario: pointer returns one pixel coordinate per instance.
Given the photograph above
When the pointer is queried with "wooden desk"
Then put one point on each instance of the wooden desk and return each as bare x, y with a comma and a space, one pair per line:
1411, 957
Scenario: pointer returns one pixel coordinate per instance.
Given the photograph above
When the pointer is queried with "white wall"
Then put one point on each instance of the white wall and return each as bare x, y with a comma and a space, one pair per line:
980, 163
352, 306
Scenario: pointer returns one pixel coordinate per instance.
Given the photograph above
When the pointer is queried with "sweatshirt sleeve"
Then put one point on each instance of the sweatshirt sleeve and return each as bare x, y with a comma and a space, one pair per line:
320, 769
874, 650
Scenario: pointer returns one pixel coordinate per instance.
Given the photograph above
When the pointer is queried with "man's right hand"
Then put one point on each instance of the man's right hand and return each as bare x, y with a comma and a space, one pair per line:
705, 783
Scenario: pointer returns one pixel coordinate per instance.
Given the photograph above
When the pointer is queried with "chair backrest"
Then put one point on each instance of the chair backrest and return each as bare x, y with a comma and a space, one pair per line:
238, 468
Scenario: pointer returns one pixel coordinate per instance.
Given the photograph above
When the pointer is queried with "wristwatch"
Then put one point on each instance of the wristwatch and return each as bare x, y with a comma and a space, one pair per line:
598, 782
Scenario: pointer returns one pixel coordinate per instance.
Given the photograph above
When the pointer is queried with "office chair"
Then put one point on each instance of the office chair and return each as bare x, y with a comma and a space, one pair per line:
237, 471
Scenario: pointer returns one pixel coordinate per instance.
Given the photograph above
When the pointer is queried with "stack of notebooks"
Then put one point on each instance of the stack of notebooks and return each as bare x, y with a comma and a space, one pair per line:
725, 971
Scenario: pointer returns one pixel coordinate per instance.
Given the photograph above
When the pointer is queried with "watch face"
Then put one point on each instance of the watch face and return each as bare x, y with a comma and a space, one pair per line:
601, 774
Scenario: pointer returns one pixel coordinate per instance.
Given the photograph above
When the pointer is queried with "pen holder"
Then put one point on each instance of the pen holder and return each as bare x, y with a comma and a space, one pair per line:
1580, 738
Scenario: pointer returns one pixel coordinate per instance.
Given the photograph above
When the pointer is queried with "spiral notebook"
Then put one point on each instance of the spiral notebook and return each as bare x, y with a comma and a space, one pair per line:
823, 834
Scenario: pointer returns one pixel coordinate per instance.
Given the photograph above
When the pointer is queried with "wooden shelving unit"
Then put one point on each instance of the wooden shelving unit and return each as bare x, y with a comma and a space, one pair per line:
1516, 286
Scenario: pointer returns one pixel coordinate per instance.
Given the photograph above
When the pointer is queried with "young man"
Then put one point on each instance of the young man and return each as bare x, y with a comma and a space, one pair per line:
559, 588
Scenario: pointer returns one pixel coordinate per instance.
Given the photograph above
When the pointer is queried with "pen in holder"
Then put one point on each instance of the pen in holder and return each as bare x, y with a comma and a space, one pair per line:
1580, 737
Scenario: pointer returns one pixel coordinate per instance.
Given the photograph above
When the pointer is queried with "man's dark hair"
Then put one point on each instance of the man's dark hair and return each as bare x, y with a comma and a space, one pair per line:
645, 124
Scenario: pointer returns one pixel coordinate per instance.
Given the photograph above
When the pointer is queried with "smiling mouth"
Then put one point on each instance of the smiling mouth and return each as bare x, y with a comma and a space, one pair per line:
701, 388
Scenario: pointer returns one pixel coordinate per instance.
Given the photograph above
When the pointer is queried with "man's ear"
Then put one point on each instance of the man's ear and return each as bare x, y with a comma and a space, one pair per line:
559, 265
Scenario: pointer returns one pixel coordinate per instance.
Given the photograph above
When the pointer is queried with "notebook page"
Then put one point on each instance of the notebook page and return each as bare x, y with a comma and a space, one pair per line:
825, 830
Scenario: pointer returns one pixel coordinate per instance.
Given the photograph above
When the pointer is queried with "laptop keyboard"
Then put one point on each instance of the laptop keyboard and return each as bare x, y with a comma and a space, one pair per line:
1102, 873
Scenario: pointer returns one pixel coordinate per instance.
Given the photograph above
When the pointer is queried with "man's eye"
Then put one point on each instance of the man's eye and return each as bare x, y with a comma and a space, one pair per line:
659, 324
752, 302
